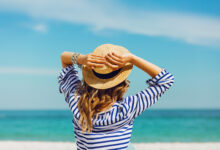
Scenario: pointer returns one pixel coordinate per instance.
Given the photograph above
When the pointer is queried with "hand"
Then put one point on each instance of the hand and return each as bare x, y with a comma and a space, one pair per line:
92, 61
116, 61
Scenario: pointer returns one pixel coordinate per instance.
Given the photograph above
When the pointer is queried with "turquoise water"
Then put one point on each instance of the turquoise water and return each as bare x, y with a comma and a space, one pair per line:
151, 126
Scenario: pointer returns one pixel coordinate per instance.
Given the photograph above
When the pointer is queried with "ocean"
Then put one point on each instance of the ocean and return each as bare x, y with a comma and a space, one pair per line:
151, 126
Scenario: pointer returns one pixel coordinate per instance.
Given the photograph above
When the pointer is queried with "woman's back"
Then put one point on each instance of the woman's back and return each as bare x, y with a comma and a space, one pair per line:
111, 129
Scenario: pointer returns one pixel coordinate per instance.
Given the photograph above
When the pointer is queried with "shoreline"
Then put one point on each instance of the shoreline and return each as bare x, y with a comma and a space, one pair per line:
45, 145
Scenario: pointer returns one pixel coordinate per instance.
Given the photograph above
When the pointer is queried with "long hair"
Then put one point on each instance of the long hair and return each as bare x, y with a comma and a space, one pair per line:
93, 101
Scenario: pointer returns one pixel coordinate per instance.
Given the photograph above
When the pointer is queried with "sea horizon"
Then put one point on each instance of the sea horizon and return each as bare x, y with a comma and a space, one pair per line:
154, 125
149, 109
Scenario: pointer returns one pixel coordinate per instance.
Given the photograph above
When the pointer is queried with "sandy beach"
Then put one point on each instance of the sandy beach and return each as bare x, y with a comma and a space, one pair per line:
35, 145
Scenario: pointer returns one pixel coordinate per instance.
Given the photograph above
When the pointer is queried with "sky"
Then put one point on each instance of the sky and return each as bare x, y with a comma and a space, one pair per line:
181, 36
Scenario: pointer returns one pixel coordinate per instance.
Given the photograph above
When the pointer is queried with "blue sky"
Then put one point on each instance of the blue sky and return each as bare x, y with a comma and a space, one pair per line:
181, 36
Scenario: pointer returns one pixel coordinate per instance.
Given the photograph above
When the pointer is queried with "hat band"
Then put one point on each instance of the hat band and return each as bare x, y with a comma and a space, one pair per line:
108, 75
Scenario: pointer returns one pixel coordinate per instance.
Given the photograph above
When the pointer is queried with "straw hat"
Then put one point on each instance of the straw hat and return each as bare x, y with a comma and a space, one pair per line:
105, 77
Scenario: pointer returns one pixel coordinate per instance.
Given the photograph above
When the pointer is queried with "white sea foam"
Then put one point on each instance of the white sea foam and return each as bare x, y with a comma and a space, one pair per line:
36, 145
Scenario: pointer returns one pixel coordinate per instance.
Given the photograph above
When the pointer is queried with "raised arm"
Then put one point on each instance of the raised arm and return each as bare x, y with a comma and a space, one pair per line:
145, 65
161, 80
116, 61
68, 78
89, 60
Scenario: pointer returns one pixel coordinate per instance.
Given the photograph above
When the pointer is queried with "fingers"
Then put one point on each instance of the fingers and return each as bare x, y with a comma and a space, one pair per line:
120, 57
114, 67
97, 56
93, 61
94, 65
97, 60
114, 60
115, 57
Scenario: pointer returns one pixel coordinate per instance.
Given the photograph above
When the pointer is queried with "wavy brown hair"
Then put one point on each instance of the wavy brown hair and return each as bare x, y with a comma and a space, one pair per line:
93, 101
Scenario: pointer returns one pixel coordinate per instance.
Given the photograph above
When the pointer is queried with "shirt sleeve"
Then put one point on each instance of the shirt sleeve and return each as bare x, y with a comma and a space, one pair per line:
136, 104
68, 80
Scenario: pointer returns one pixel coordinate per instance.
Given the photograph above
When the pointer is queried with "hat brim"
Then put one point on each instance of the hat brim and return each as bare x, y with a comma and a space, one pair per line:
92, 80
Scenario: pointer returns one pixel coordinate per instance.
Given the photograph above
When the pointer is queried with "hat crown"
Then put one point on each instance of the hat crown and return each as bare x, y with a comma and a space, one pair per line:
105, 77
103, 50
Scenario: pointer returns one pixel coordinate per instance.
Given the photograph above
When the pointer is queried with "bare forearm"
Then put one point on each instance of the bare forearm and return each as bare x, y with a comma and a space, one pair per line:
66, 59
145, 65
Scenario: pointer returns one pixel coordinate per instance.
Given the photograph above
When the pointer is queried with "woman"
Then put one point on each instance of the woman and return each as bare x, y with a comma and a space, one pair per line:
102, 117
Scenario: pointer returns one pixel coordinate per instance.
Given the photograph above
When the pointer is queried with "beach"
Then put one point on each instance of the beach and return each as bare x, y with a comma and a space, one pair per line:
39, 145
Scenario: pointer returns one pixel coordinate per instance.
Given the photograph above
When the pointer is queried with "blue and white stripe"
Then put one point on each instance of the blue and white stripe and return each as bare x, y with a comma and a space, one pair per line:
112, 129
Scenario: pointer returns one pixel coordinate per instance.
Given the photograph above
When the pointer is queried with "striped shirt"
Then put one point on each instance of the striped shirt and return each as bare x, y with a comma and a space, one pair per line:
113, 129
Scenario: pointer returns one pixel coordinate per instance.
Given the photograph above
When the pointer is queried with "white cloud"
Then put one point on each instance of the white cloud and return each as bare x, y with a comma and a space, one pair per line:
191, 28
40, 27
27, 71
